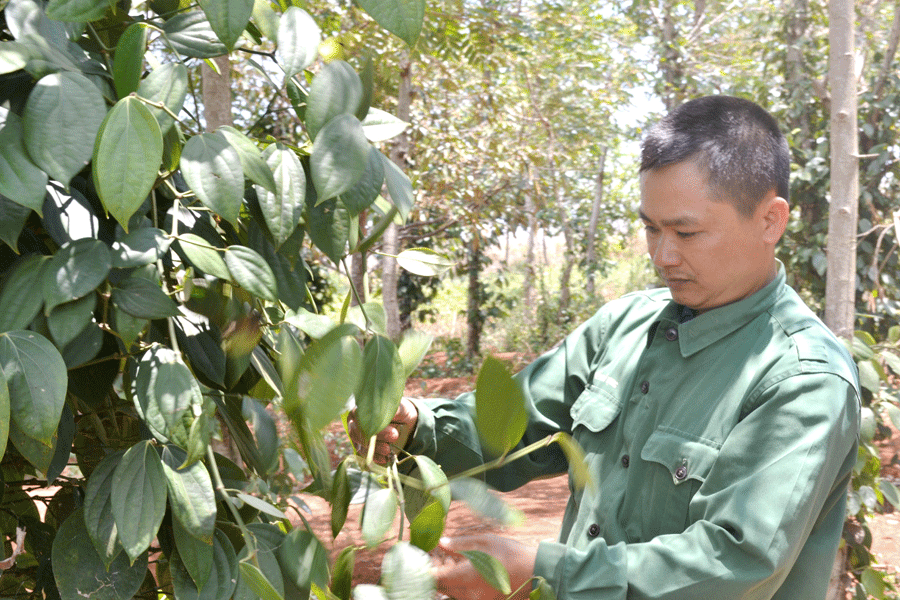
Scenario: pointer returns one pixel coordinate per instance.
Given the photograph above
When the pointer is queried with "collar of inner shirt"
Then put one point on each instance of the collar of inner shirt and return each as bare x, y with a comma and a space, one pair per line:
683, 314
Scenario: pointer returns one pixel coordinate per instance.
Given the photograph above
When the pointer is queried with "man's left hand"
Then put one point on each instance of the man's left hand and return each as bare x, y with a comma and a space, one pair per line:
457, 578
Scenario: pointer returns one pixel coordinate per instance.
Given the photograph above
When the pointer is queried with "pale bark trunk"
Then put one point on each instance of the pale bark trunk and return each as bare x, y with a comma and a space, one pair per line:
217, 94
591, 251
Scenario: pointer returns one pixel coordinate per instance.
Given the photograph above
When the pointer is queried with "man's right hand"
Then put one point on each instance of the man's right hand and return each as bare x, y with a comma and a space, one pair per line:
389, 440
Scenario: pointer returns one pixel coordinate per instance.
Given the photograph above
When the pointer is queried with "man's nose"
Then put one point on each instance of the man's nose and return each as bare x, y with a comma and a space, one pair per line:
665, 253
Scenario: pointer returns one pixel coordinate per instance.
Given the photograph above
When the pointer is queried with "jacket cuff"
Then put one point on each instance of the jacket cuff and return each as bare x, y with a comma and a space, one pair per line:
549, 564
423, 439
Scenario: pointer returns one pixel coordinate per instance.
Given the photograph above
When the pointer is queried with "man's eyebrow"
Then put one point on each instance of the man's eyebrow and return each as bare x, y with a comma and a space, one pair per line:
677, 222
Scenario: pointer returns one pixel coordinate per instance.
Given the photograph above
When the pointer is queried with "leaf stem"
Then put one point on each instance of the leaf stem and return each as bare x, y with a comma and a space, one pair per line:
220, 487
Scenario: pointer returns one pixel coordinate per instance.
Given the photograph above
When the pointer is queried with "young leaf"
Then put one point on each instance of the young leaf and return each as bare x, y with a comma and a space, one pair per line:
128, 61
581, 475
339, 157
213, 170
80, 572
98, 515
127, 156
283, 209
381, 387
403, 18
138, 498
37, 380
62, 117
251, 272
228, 18
18, 304
491, 569
20, 179
166, 84
406, 573
435, 481
428, 527
298, 40
191, 494
424, 261
74, 271
191, 35
381, 507
500, 413
303, 559
336, 90
380, 126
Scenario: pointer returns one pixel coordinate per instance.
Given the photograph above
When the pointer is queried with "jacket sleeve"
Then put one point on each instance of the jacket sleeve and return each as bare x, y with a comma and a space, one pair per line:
446, 430
770, 509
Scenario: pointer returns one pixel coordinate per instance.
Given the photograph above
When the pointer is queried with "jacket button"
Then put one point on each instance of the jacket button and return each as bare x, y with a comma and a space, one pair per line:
671, 334
593, 530
625, 461
681, 472
645, 387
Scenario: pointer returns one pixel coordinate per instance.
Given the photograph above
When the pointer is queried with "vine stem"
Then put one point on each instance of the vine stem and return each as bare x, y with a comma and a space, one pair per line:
220, 488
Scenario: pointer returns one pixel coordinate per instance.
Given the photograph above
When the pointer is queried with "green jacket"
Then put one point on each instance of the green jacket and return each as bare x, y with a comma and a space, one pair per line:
720, 448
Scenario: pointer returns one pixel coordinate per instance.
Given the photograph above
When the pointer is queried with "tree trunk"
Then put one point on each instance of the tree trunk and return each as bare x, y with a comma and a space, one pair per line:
474, 316
591, 251
217, 94
840, 286
391, 242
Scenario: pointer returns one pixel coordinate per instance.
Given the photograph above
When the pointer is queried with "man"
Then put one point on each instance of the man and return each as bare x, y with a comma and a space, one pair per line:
719, 416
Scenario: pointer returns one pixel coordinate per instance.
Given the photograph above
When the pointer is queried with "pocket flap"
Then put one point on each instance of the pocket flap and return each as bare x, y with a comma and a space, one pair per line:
595, 409
685, 457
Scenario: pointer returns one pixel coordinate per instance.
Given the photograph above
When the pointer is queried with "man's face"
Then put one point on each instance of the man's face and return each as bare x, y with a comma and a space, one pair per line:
706, 252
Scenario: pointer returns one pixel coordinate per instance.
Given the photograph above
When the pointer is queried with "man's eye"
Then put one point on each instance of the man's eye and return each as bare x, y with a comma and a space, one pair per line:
686, 234
650, 229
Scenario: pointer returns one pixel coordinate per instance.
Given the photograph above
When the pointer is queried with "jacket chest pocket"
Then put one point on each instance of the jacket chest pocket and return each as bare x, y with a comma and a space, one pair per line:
677, 465
594, 409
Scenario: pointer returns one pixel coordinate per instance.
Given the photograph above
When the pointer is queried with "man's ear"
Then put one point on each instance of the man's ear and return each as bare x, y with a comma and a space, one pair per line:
775, 217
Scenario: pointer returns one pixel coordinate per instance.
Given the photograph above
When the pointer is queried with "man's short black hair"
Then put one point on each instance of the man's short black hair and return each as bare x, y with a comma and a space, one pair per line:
736, 141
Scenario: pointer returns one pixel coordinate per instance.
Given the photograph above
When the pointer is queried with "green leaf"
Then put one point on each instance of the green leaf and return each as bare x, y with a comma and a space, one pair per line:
4, 413
867, 424
77, 11
323, 395
424, 261
363, 193
303, 559
266, 19
222, 578
81, 573
368, 591
283, 209
74, 271
143, 299
191, 35
369, 317
167, 395
428, 527
37, 380
478, 496
213, 170
127, 156
892, 361
381, 387
128, 61
254, 166
138, 498
140, 247
166, 84
298, 40
891, 493
191, 563
266, 433
69, 319
380, 126
340, 498
339, 157
38, 453
129, 328
19, 305
381, 507
12, 220
491, 569
894, 413
251, 272
14, 56
84, 347
20, 179
313, 325
204, 256
435, 481
342, 573
403, 18
261, 505
191, 494
413, 347
228, 18
868, 376
406, 573
290, 276
336, 90
399, 186
254, 579
578, 468
329, 228
62, 117
500, 413
542, 591
98, 515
